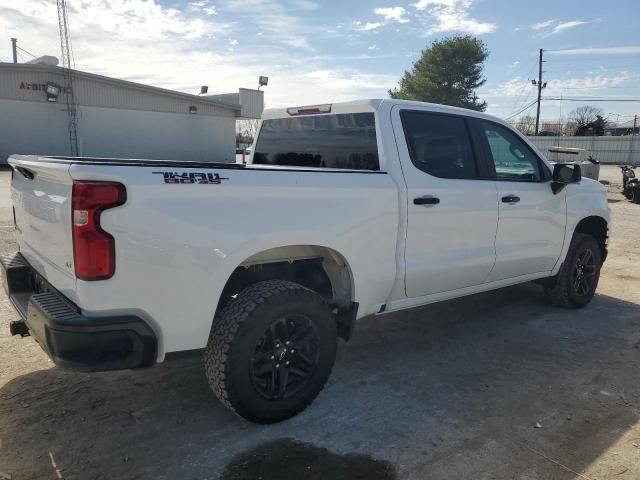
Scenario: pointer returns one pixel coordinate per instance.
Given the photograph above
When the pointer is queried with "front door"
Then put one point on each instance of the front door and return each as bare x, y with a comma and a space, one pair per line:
532, 218
452, 211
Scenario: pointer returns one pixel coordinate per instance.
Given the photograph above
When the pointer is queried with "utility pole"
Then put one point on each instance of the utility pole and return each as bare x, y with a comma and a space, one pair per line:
14, 47
540, 87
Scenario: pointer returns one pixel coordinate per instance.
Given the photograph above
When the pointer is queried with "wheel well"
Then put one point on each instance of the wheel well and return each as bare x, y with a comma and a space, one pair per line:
597, 228
320, 269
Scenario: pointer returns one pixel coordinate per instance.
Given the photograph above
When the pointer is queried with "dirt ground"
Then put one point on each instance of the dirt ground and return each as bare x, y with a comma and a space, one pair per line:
494, 386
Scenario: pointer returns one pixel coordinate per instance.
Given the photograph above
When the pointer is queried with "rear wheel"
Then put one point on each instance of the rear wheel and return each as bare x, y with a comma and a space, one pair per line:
271, 351
576, 282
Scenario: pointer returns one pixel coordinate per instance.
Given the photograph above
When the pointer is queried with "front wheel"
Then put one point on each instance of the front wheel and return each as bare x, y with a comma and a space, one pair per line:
271, 351
575, 284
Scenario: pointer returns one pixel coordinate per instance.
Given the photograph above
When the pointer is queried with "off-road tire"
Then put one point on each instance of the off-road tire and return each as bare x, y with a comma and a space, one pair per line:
560, 288
233, 338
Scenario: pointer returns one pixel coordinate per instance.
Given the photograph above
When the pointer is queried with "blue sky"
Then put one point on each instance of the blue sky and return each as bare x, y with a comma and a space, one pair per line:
323, 51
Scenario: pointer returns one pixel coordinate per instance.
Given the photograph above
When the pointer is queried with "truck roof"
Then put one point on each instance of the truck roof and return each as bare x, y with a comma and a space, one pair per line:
373, 104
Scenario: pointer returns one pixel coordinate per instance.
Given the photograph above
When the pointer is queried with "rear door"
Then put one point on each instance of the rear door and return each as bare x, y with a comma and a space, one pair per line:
532, 218
452, 203
41, 197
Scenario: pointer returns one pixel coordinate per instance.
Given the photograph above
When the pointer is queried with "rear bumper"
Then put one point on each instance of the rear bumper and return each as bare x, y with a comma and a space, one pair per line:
71, 339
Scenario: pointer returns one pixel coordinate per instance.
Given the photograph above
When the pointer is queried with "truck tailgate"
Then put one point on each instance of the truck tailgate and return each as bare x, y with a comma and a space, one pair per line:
41, 195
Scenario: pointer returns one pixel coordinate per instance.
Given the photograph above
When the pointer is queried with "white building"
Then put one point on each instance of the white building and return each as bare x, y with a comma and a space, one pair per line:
117, 118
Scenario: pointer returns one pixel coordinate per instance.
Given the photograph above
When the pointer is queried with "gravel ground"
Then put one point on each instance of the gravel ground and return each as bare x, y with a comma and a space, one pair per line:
494, 386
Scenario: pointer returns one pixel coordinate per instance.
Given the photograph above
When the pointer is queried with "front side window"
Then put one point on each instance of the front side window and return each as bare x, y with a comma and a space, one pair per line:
512, 158
345, 141
439, 145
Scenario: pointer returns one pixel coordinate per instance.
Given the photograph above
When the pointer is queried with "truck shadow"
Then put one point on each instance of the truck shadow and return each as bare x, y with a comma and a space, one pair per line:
489, 384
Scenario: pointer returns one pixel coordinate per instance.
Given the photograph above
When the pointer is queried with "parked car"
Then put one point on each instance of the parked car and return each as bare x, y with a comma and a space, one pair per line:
347, 210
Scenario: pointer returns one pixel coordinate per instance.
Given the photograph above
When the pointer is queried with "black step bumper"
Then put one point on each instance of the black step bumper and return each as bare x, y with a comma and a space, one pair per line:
71, 339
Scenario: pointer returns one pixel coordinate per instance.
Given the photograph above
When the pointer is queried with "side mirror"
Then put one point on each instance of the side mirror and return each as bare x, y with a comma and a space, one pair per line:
564, 174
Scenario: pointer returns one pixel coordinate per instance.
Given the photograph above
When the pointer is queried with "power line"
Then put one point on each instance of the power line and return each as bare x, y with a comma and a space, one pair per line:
590, 88
517, 104
590, 99
519, 112
594, 69
591, 59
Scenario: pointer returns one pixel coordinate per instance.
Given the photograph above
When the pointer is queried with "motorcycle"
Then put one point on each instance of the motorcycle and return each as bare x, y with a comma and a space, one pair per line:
630, 183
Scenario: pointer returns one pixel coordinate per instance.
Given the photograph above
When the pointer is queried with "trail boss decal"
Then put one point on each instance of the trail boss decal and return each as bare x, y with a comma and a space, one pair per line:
191, 177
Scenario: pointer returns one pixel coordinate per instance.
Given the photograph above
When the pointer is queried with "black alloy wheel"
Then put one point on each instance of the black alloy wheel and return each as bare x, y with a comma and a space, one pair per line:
584, 272
285, 357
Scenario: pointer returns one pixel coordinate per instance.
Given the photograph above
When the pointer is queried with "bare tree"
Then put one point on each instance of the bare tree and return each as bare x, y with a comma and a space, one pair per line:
586, 114
246, 131
247, 127
526, 124
570, 128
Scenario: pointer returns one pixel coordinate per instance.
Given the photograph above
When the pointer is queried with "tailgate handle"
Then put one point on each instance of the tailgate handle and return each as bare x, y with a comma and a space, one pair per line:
26, 173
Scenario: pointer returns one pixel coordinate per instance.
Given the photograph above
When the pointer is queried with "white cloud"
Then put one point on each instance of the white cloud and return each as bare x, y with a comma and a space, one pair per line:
274, 20
364, 27
586, 85
553, 27
561, 27
511, 88
373, 47
172, 50
541, 25
305, 5
631, 49
204, 6
352, 80
392, 14
133, 19
233, 42
451, 16
518, 86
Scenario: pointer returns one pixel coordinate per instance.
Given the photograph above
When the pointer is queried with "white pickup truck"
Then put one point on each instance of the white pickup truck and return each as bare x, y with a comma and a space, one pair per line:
344, 211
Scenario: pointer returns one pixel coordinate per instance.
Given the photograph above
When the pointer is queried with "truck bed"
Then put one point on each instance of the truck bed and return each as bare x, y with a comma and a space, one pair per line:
186, 226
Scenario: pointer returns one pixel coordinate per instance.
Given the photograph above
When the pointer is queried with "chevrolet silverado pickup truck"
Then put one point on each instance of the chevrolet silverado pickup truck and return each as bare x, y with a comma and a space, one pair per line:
343, 211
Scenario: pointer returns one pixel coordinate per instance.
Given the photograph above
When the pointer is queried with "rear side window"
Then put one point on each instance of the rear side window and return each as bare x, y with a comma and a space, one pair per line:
345, 141
439, 145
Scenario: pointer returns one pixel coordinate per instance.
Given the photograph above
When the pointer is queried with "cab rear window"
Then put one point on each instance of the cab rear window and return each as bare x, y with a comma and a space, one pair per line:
343, 141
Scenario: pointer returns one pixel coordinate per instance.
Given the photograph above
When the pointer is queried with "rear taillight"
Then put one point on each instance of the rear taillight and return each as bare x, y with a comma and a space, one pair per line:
94, 250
